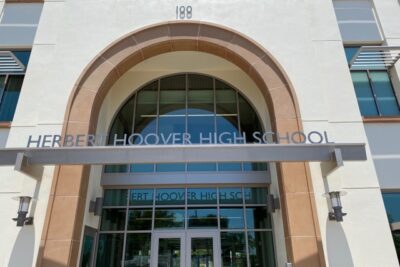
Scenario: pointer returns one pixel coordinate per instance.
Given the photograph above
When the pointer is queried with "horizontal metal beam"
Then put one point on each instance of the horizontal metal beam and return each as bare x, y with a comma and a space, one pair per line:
182, 153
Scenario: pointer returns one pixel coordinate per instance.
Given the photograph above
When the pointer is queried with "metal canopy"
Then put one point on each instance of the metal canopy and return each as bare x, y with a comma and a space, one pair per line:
181, 153
375, 57
10, 63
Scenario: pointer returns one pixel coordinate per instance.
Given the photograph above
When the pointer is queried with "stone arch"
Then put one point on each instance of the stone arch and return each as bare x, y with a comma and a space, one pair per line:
62, 233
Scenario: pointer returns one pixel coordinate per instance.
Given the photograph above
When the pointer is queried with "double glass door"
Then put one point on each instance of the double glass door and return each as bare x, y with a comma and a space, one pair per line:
190, 248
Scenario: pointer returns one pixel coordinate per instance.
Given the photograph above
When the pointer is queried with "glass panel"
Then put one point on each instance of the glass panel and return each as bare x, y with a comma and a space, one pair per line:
116, 168
169, 218
230, 196
137, 252
146, 111
385, 97
392, 204
167, 128
10, 97
249, 122
113, 219
200, 95
201, 129
142, 167
87, 250
364, 94
228, 130
202, 196
122, 124
233, 249
141, 197
202, 252
2, 83
257, 218
201, 167
170, 167
23, 56
255, 195
115, 197
170, 196
140, 219
109, 250
202, 218
225, 98
261, 249
173, 95
169, 252
255, 166
231, 218
350, 52
226, 167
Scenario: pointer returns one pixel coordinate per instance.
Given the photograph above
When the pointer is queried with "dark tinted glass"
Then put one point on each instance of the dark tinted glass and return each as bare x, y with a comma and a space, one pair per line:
225, 99
9, 100
255, 195
87, 246
392, 205
255, 166
364, 94
249, 121
170, 167
168, 126
141, 197
170, 196
231, 218
137, 252
173, 95
116, 168
261, 249
230, 196
115, 197
113, 219
233, 249
202, 218
226, 167
142, 167
169, 218
109, 250
385, 97
202, 196
257, 218
200, 95
122, 124
201, 128
201, 167
140, 219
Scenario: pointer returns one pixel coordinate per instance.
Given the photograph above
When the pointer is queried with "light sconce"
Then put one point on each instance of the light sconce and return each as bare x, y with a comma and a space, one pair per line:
23, 209
337, 214
273, 203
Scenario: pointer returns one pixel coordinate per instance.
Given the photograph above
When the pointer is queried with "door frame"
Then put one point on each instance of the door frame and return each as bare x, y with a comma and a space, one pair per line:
185, 236
206, 234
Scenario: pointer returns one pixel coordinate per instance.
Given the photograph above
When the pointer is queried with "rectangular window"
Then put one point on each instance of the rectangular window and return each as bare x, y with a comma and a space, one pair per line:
392, 204
374, 90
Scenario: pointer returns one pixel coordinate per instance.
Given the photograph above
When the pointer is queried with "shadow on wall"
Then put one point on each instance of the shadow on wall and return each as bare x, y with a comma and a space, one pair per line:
22, 253
338, 250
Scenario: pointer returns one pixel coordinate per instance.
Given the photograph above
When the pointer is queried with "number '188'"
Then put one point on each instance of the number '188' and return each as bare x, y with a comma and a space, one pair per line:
184, 12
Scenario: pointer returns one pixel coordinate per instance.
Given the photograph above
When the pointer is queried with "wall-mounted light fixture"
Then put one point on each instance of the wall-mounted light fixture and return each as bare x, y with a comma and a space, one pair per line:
272, 203
23, 209
337, 214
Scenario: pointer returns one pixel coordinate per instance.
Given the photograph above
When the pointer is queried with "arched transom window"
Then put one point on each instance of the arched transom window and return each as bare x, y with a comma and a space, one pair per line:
185, 109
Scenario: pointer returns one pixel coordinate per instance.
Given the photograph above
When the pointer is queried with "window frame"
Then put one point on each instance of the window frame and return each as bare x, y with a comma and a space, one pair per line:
373, 88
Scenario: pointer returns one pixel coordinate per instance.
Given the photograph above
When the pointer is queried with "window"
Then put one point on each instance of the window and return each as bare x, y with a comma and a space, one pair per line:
197, 105
374, 90
392, 205
12, 71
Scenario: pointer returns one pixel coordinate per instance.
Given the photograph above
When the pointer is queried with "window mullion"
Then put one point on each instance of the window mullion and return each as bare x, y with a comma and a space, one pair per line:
374, 93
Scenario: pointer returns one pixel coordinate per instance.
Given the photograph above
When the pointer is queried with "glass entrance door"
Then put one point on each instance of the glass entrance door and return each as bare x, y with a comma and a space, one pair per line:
194, 249
203, 249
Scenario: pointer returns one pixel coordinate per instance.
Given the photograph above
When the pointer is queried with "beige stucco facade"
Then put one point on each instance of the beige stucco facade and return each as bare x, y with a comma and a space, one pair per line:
286, 57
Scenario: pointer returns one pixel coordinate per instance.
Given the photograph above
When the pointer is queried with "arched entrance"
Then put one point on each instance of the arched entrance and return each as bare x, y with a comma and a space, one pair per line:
61, 236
